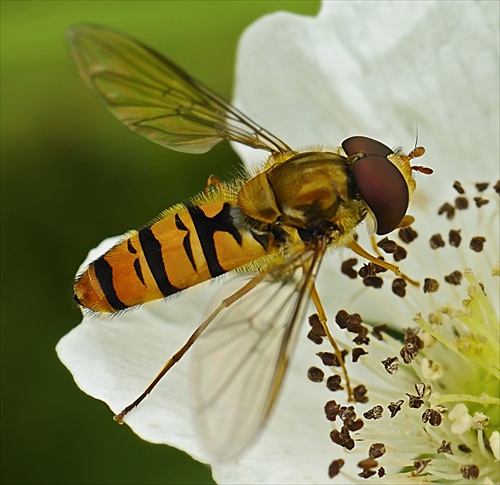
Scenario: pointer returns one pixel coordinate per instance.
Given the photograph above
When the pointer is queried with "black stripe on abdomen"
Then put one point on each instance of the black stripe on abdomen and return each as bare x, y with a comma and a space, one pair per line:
152, 252
138, 271
104, 275
206, 227
186, 242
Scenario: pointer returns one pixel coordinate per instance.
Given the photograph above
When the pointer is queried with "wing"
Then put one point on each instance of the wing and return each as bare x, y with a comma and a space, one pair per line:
241, 358
152, 96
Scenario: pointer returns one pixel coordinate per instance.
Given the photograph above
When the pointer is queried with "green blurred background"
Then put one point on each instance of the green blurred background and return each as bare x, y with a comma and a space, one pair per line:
71, 175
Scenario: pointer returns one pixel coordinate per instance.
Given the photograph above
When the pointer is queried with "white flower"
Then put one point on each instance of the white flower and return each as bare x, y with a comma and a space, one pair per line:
378, 69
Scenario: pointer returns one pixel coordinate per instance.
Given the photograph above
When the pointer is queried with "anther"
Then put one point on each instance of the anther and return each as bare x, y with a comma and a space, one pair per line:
391, 365
445, 448
376, 450
377, 331
387, 245
400, 254
334, 468
359, 393
373, 282
477, 243
407, 234
436, 241
399, 287
330, 359
447, 209
430, 285
461, 203
458, 187
420, 466
454, 238
357, 353
432, 416
470, 472
480, 201
315, 374
333, 383
374, 413
332, 410
415, 402
348, 268
395, 407
409, 352
454, 278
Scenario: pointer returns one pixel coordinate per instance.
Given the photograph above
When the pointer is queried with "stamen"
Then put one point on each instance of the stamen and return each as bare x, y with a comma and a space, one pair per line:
454, 278
348, 268
332, 410
334, 468
436, 241
432, 416
454, 238
315, 374
452, 432
359, 393
458, 187
387, 245
447, 209
400, 254
477, 243
430, 285
407, 234
470, 472
482, 186
399, 287
445, 448
395, 407
374, 413
376, 450
333, 383
330, 359
373, 282
415, 402
391, 364
357, 353
480, 201
377, 331
420, 466
461, 203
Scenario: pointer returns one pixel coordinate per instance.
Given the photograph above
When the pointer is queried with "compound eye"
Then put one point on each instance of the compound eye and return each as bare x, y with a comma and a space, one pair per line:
384, 190
363, 144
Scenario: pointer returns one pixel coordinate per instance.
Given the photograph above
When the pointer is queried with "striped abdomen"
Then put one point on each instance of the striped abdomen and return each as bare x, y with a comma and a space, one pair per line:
175, 252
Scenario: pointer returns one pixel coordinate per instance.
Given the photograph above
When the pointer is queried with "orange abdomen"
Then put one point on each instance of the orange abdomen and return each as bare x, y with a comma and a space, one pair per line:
175, 252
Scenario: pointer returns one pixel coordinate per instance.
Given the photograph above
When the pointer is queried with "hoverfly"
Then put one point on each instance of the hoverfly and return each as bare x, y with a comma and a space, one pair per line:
276, 224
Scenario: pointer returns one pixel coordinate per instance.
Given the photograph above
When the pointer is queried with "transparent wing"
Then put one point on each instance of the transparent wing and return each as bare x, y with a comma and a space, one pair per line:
157, 99
241, 358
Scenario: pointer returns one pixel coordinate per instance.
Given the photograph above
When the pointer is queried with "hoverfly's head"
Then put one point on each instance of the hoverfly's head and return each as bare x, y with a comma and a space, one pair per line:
383, 179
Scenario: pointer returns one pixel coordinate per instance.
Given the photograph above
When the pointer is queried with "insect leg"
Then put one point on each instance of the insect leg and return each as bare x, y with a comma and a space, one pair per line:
375, 248
354, 246
322, 318
191, 340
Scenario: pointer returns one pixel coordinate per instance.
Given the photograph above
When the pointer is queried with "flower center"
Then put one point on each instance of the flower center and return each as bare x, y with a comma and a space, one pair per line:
430, 403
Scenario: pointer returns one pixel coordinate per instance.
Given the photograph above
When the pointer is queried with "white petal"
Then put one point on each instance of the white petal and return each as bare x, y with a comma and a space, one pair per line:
380, 69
